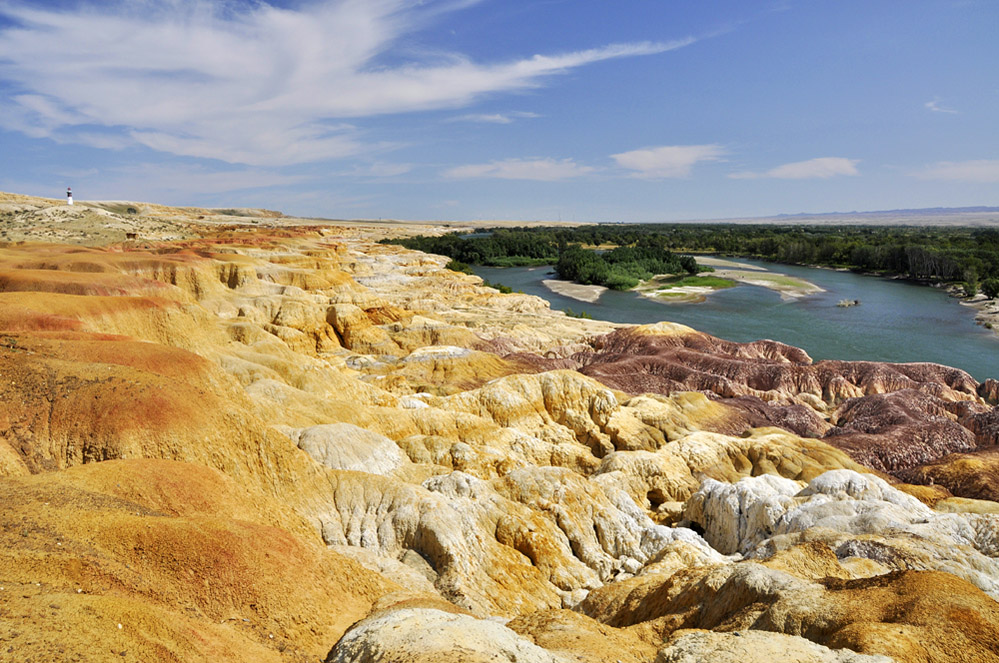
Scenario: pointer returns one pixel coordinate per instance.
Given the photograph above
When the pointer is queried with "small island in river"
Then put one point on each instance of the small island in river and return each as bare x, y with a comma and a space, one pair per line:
726, 274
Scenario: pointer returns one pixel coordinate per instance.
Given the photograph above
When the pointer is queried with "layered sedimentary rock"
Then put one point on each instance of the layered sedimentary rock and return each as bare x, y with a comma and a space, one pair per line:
424, 635
904, 615
858, 516
159, 560
283, 442
755, 647
974, 475
894, 418
895, 431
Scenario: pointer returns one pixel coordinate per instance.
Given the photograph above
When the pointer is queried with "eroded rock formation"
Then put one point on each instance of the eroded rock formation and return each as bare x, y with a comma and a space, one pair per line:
249, 439
894, 418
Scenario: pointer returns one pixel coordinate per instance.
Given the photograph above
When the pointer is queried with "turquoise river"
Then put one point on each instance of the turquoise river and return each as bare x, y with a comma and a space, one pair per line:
896, 321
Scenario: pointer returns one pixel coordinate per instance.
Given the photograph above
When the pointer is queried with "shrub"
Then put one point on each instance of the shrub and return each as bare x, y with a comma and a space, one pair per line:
505, 289
458, 266
582, 314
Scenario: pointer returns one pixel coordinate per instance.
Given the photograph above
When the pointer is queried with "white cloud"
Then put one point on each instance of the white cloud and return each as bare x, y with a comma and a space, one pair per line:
821, 168
248, 83
936, 108
981, 170
188, 184
169, 181
546, 170
494, 118
667, 160
379, 169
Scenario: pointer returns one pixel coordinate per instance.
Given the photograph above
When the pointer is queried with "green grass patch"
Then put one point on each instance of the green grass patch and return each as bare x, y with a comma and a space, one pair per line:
698, 281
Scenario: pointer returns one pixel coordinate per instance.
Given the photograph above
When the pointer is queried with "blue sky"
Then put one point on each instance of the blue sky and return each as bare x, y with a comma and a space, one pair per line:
585, 110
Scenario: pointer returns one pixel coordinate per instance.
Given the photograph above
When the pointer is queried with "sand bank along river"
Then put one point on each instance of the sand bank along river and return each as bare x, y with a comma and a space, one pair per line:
895, 321
728, 272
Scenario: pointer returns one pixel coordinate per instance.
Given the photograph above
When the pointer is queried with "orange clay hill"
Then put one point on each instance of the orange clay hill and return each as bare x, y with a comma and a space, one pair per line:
230, 435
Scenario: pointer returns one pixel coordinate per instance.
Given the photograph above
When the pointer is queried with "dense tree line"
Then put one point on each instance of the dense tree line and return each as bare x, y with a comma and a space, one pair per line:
951, 254
502, 248
924, 253
623, 267
620, 268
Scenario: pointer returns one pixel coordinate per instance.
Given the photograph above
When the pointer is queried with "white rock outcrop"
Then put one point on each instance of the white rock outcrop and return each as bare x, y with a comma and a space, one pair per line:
755, 647
857, 515
349, 447
425, 635
540, 536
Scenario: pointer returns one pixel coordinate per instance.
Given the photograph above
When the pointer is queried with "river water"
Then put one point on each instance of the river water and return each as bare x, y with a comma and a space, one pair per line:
896, 321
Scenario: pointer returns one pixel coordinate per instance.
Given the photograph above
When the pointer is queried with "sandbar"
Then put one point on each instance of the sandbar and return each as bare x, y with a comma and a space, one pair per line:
678, 295
711, 261
987, 313
584, 293
789, 287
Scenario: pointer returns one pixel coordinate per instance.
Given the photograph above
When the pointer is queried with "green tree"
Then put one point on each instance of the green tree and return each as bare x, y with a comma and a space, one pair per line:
457, 266
990, 288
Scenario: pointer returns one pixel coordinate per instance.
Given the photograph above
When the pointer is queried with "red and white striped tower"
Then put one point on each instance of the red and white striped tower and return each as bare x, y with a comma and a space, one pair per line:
69, 195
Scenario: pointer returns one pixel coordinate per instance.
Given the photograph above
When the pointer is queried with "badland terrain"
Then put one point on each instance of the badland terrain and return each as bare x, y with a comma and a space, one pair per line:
230, 435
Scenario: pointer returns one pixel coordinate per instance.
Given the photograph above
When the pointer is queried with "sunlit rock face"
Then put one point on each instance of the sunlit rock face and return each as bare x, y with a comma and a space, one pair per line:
426, 635
857, 515
974, 475
894, 418
755, 647
244, 439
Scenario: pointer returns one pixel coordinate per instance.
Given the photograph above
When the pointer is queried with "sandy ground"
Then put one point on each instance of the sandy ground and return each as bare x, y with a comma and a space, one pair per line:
584, 293
98, 223
788, 286
987, 312
723, 263
681, 295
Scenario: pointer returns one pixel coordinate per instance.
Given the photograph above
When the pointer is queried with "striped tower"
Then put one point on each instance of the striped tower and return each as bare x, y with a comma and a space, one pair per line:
69, 195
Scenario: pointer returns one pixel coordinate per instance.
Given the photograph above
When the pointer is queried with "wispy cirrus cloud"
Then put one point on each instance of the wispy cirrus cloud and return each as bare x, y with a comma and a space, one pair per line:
821, 168
979, 170
254, 84
540, 169
667, 160
172, 180
174, 183
376, 169
935, 106
495, 118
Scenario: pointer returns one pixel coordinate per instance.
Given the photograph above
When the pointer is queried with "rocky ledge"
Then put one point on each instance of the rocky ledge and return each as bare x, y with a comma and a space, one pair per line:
275, 441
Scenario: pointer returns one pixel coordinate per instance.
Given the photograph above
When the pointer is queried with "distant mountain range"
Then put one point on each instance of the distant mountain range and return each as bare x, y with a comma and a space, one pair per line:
977, 216
925, 211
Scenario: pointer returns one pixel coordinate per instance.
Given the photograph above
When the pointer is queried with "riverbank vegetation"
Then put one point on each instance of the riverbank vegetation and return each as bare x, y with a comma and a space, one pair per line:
620, 268
624, 267
966, 256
